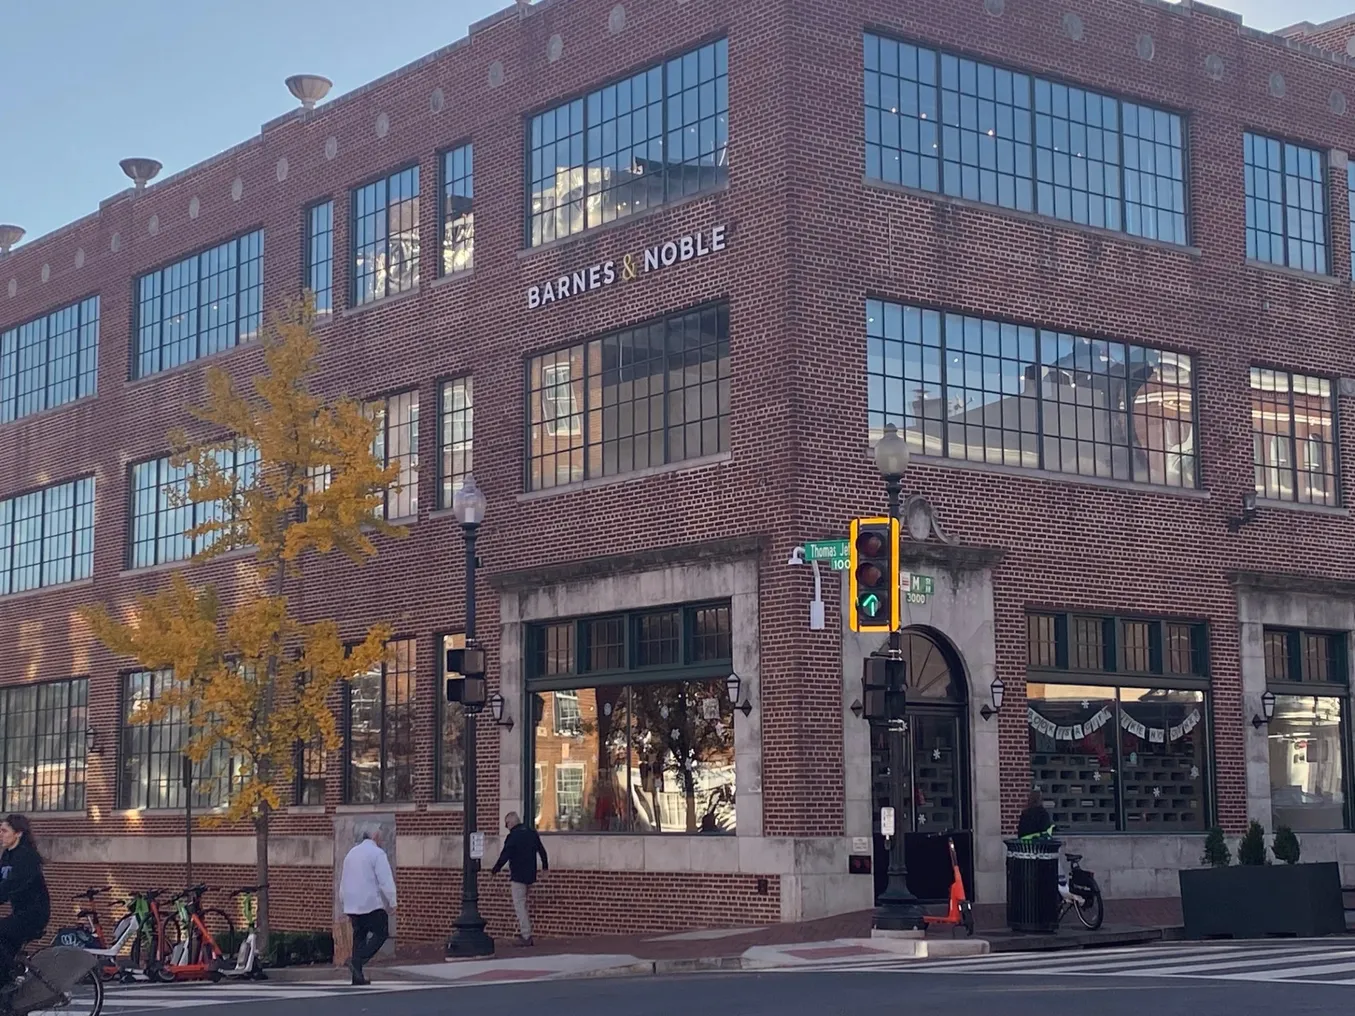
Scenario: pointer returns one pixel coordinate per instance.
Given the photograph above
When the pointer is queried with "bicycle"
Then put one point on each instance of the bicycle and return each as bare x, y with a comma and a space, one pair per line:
60, 980
247, 963
90, 935
195, 955
1078, 891
152, 946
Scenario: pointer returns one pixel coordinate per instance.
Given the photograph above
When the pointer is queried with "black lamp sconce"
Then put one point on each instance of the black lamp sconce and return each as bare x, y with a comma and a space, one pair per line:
1267, 711
997, 690
734, 685
496, 707
1248, 515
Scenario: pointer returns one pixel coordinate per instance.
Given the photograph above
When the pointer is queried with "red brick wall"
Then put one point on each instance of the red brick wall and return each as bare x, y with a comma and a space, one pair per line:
808, 242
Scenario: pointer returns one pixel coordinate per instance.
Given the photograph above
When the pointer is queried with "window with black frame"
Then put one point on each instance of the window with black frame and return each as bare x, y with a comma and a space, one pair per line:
379, 732
320, 257
151, 772
49, 361
1294, 437
385, 241
634, 728
1308, 672
451, 779
43, 740
1286, 203
1118, 712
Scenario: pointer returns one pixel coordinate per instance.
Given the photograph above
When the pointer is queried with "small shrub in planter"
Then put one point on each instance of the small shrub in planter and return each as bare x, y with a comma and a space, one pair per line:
1252, 849
1286, 845
1216, 852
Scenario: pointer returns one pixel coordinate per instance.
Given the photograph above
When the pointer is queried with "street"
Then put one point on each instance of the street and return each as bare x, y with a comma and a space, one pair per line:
1182, 979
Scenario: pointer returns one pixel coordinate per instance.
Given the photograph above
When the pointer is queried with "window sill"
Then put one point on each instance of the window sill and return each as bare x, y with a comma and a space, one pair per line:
1333, 511
375, 809
160, 812
49, 816
450, 280
306, 809
447, 807
1032, 217
672, 469
29, 593
179, 368
615, 224
1295, 273
1047, 476
50, 410
384, 301
152, 569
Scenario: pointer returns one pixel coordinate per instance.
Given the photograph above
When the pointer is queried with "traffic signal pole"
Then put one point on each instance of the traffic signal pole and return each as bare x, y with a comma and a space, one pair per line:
897, 909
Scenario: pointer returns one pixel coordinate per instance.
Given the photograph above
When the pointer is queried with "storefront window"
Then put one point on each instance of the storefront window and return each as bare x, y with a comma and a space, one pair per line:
647, 744
1108, 756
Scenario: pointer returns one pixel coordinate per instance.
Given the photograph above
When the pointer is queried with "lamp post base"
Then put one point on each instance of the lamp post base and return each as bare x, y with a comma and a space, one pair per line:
470, 939
897, 909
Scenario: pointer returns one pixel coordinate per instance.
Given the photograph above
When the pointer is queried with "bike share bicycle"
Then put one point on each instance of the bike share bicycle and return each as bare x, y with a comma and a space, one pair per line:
57, 980
1078, 889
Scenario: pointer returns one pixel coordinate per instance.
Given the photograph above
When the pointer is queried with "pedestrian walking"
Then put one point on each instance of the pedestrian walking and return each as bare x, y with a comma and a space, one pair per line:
520, 848
367, 890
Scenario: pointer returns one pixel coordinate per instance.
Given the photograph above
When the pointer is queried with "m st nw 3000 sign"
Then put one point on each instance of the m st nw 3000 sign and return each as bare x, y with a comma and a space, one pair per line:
630, 267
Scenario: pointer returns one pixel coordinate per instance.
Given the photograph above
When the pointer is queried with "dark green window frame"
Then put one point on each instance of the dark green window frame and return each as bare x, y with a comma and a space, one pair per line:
1105, 649
1297, 657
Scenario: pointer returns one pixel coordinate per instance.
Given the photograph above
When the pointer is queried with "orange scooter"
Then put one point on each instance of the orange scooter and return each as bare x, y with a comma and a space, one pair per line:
961, 911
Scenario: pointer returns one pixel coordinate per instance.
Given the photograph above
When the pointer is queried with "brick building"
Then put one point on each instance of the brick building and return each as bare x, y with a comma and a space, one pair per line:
659, 272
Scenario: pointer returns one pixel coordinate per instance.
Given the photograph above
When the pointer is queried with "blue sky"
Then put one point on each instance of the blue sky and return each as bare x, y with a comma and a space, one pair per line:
89, 82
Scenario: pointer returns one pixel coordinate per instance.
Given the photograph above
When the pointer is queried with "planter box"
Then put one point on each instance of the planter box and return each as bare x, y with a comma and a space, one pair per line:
1257, 901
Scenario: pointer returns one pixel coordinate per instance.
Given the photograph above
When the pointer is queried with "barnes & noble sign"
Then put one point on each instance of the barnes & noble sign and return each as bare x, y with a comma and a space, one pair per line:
629, 267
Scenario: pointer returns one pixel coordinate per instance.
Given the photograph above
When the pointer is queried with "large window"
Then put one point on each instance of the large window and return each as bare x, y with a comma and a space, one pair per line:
386, 237
657, 136
451, 780
42, 746
380, 729
151, 774
320, 256
200, 306
47, 536
49, 361
1350, 211
1118, 715
939, 122
992, 391
1286, 203
634, 729
397, 444
1308, 672
649, 395
457, 440
1293, 437
162, 515
458, 212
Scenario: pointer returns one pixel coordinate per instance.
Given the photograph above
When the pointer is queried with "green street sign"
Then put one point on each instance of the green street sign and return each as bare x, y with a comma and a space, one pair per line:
833, 551
916, 588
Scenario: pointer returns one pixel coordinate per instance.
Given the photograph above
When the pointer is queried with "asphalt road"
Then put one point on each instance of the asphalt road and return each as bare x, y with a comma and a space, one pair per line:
848, 992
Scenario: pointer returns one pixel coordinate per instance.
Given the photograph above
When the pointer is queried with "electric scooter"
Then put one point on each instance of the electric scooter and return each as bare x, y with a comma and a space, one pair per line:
961, 911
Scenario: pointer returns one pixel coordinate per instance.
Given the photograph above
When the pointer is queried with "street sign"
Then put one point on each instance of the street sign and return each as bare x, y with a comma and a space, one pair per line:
833, 551
477, 846
886, 822
916, 588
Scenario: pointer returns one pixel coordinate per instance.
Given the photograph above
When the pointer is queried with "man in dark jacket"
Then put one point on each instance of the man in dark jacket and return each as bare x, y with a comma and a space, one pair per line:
520, 848
24, 889
1035, 820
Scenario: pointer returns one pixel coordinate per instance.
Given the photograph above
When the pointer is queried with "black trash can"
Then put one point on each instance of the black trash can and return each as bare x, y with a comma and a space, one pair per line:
1033, 885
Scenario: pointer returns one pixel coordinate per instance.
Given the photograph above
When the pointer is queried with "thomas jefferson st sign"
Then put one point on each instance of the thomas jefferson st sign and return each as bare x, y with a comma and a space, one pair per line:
630, 267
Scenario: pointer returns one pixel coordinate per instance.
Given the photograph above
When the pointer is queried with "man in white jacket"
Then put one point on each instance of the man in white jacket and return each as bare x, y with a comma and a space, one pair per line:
367, 890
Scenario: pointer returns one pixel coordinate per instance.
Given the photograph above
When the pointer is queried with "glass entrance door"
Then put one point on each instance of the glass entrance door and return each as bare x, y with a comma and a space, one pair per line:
938, 790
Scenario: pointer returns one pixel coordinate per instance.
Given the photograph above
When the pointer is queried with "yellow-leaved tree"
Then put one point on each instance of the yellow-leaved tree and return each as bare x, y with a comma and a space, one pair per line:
303, 480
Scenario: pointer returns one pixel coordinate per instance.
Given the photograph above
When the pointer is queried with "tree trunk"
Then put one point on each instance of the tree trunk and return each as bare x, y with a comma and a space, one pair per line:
261, 873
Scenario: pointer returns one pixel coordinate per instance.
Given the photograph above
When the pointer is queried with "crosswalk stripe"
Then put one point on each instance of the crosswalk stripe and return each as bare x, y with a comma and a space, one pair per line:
157, 997
1090, 962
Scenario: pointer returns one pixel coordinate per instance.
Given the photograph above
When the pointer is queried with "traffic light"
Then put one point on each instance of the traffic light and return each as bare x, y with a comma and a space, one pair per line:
873, 575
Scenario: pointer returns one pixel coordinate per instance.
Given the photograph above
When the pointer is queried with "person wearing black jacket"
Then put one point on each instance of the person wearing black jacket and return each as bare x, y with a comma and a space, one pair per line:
520, 848
1035, 820
23, 887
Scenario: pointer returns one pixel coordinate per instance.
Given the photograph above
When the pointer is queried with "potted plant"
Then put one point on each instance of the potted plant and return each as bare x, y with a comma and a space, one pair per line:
1255, 898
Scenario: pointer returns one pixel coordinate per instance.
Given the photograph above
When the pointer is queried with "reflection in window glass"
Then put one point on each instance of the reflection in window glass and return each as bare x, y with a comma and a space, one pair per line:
320, 257
50, 361
1307, 782
1286, 203
380, 729
47, 536
1293, 437
458, 433
1021, 142
1072, 754
151, 774
42, 746
162, 515
1007, 394
1162, 758
651, 758
458, 211
397, 444
385, 219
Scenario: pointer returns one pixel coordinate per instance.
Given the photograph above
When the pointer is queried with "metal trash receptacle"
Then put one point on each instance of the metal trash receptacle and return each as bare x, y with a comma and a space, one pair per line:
1033, 885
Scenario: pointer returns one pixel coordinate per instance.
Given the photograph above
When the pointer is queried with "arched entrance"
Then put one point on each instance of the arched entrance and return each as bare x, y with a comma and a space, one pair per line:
936, 751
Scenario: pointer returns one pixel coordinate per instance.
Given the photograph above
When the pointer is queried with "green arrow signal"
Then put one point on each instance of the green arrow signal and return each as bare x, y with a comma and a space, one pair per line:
870, 604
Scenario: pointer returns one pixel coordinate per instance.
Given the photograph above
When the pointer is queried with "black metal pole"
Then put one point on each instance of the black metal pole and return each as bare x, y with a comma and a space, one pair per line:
469, 937
898, 908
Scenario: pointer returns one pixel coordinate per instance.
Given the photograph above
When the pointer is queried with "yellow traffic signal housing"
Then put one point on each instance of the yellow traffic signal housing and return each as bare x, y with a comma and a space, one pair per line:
873, 575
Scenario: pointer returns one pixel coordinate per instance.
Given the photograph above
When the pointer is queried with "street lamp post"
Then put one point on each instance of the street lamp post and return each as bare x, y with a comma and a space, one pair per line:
898, 908
469, 937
